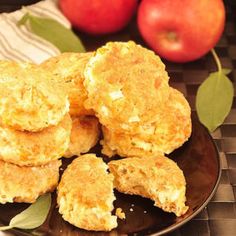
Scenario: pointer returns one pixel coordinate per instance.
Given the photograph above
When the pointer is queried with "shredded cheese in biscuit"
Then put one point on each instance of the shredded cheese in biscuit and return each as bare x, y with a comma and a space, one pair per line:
104, 110
134, 119
116, 95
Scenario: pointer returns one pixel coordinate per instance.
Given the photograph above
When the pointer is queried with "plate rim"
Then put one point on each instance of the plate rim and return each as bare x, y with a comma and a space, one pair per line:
177, 225
171, 228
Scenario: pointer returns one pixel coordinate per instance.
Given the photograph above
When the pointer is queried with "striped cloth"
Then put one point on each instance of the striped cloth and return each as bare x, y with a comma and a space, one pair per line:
18, 43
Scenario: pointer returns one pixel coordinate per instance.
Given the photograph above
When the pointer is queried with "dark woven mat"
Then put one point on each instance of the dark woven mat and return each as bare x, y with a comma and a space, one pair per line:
219, 217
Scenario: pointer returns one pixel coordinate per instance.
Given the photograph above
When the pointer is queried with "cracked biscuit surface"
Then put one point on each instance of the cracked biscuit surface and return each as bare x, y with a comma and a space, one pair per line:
35, 148
157, 178
85, 194
126, 84
69, 69
26, 184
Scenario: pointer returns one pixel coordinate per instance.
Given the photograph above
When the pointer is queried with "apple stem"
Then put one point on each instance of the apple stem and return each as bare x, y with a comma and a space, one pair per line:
217, 60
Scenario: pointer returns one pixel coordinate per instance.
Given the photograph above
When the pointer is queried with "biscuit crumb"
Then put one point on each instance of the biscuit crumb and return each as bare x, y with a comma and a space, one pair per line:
120, 214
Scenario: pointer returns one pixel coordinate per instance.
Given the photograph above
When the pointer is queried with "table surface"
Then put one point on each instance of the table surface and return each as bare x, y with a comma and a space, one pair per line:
219, 217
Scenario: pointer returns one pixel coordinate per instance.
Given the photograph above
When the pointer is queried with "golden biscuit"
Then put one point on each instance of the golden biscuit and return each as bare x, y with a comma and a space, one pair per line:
85, 194
25, 184
168, 132
35, 148
157, 178
84, 135
69, 69
127, 85
30, 97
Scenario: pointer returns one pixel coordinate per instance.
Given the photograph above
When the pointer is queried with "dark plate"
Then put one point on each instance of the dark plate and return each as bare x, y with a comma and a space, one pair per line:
199, 160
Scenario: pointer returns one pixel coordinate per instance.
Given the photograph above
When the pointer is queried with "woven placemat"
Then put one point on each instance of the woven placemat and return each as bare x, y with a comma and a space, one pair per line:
219, 217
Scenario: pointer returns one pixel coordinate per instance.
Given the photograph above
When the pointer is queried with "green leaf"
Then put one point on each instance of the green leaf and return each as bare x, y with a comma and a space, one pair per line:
33, 216
54, 32
214, 99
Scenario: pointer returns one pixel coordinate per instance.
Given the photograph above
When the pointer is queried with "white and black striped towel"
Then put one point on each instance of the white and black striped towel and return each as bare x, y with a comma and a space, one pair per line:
18, 43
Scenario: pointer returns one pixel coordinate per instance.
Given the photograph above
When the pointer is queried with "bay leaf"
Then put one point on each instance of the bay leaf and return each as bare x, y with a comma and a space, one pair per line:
54, 32
33, 216
214, 99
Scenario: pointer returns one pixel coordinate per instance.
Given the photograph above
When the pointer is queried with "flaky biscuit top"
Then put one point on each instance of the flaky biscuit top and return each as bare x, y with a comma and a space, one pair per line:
126, 84
30, 97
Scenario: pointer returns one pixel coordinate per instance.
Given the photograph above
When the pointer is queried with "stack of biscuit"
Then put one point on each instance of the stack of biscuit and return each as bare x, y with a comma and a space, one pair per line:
34, 131
54, 109
68, 69
126, 87
128, 90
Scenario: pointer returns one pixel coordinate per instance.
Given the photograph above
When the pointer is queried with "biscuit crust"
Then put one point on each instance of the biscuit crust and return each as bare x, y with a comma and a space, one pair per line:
126, 84
84, 135
85, 194
69, 69
157, 178
167, 133
26, 184
30, 97
35, 148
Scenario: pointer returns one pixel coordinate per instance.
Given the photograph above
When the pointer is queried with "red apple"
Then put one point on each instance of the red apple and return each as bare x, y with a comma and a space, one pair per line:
181, 30
98, 16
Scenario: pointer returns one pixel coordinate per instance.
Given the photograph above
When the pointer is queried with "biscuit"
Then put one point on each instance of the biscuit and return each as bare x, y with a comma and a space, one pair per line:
84, 135
30, 97
35, 148
157, 178
126, 84
167, 133
25, 184
69, 69
85, 194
